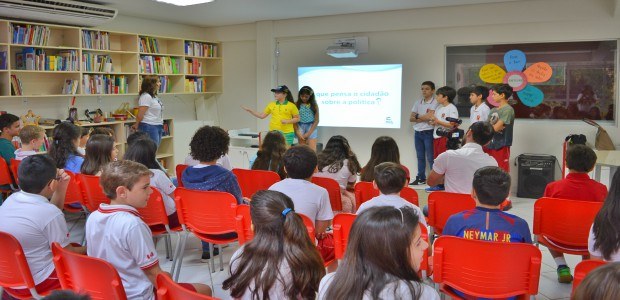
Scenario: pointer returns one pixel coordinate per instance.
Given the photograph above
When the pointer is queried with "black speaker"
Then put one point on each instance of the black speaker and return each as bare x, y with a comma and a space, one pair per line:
535, 171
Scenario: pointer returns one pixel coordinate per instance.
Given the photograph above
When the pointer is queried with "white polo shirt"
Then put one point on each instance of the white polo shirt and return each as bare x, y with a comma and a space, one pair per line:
164, 185
422, 107
390, 200
480, 113
309, 198
116, 234
36, 224
459, 166
441, 113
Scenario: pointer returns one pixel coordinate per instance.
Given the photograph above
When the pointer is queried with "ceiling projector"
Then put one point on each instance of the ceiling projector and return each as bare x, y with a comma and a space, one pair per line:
342, 50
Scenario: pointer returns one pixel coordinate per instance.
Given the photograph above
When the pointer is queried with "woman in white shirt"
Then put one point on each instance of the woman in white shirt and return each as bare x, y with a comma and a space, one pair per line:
280, 262
604, 239
337, 161
150, 111
371, 269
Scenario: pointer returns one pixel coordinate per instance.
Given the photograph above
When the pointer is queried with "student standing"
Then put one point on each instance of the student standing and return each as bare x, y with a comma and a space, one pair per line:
283, 111
150, 111
502, 118
479, 110
444, 95
308, 118
421, 115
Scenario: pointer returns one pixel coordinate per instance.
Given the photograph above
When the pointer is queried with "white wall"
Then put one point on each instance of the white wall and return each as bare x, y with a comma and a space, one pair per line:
417, 39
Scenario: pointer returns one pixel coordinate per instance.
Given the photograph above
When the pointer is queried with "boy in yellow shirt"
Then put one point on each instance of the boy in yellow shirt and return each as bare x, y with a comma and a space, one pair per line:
284, 113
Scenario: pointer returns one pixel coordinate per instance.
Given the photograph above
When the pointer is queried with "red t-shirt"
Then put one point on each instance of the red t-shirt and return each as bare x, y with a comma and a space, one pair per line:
577, 186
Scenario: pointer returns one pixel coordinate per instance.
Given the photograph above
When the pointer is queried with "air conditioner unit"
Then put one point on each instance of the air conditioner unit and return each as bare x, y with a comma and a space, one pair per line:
57, 11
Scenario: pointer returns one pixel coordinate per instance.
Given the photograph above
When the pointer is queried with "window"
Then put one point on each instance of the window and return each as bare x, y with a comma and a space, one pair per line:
581, 85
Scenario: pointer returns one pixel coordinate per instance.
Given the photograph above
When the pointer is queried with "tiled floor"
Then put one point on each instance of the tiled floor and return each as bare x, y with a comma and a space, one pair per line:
194, 270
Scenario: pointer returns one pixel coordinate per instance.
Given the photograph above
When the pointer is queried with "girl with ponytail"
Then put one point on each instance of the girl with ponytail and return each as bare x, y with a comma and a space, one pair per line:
281, 262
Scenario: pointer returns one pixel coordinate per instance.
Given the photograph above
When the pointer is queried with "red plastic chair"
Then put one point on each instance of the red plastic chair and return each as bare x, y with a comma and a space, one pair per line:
167, 289
365, 191
179, 170
514, 269
83, 274
6, 178
92, 193
251, 181
342, 227
205, 214
442, 205
309, 226
333, 188
155, 216
564, 225
14, 167
74, 194
14, 269
583, 268
243, 224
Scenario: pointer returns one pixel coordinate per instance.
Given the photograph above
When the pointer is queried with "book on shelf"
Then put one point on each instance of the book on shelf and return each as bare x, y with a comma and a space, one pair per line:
30, 34
200, 49
195, 85
105, 84
193, 66
38, 60
159, 64
97, 63
149, 44
70, 87
3, 64
165, 84
16, 86
96, 40
166, 128
129, 130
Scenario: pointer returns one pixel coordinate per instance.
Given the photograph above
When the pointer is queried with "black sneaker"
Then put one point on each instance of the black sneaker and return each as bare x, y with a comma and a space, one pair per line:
206, 255
418, 181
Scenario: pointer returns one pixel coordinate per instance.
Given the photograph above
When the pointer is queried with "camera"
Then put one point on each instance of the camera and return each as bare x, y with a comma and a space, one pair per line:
454, 134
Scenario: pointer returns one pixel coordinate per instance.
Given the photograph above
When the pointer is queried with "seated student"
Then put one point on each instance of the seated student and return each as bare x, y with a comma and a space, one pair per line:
384, 149
116, 234
456, 168
136, 136
63, 150
145, 152
491, 186
280, 262
84, 136
577, 185
103, 130
66, 295
32, 137
310, 199
269, 156
9, 125
37, 222
602, 283
604, 238
208, 144
390, 179
337, 161
370, 270
223, 161
100, 151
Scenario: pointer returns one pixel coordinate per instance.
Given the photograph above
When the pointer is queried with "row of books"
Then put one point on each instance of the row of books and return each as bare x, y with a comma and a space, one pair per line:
195, 85
37, 59
165, 84
70, 87
3, 61
97, 40
105, 84
193, 66
200, 49
16, 86
30, 34
97, 63
159, 64
149, 44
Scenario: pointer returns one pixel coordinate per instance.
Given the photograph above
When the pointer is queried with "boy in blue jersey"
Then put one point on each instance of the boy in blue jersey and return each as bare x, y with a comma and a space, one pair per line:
487, 222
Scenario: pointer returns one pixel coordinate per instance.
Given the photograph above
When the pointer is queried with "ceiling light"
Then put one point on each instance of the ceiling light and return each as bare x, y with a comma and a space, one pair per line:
184, 2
